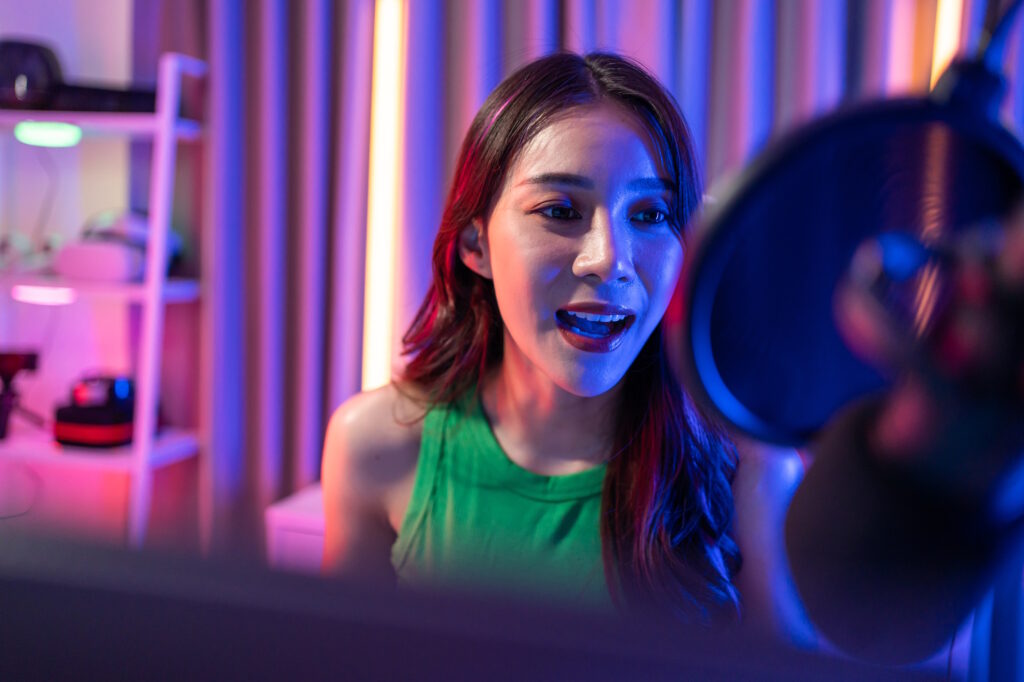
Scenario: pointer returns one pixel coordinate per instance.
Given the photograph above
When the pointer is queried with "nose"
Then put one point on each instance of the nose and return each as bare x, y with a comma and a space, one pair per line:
606, 251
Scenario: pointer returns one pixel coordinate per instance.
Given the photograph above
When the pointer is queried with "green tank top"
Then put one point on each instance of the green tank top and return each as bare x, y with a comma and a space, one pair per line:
477, 521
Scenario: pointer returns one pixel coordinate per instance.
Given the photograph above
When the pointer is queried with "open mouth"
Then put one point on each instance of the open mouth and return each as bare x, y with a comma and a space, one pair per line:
596, 326
592, 332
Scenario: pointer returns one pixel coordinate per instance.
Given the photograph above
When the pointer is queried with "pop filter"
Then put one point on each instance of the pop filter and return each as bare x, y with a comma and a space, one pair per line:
751, 328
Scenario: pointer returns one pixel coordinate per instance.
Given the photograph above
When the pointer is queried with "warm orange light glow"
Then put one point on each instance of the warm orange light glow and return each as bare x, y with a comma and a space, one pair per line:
948, 18
42, 295
933, 225
387, 113
926, 296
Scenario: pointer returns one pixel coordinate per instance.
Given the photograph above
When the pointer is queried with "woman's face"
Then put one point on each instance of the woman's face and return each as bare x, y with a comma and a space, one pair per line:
581, 249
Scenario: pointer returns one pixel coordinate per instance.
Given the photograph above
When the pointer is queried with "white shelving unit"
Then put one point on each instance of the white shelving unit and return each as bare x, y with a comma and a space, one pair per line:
174, 290
148, 449
169, 447
114, 124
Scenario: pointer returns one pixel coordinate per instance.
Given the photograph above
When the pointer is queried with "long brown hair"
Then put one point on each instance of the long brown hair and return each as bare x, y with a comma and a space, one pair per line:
667, 503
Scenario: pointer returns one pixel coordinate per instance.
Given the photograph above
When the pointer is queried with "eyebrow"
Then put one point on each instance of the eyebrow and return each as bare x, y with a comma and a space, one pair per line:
560, 179
652, 183
583, 182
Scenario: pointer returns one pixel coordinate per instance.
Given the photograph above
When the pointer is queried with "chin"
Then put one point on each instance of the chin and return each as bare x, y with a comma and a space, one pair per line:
589, 384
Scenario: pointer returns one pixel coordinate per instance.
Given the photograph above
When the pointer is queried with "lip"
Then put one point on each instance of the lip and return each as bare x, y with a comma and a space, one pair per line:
591, 344
597, 308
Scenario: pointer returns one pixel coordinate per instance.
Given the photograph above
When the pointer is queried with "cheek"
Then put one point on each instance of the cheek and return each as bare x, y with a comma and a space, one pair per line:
524, 268
663, 264
521, 277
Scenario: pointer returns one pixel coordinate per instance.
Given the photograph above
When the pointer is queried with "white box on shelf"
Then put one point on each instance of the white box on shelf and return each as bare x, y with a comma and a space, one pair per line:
295, 531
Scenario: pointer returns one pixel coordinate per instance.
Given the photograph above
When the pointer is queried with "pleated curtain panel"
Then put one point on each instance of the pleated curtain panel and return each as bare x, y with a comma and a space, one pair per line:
288, 171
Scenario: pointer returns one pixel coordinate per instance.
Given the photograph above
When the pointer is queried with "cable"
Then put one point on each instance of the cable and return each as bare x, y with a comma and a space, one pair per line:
37, 482
949, 661
46, 209
34, 418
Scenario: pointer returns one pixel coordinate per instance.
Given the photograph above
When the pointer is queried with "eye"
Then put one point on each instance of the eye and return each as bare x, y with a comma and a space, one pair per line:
560, 212
652, 216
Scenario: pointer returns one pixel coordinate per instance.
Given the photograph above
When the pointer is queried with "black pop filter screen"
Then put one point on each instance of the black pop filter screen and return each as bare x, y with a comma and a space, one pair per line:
763, 344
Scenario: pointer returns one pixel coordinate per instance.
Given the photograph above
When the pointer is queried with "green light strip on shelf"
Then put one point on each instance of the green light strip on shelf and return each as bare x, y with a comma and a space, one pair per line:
47, 133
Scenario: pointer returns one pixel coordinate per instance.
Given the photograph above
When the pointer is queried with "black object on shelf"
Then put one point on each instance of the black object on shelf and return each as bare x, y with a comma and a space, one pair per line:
11, 363
31, 78
101, 413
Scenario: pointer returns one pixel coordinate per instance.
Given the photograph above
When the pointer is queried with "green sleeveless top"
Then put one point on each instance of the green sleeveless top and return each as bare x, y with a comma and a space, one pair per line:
478, 521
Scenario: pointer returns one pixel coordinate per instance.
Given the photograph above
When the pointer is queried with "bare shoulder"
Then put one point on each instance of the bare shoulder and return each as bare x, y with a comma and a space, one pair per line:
369, 462
766, 478
373, 440
765, 481
767, 471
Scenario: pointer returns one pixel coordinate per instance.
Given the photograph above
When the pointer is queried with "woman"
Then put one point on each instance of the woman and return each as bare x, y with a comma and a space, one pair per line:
537, 442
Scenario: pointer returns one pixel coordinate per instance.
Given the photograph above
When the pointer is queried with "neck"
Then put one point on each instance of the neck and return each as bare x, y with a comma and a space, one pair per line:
541, 426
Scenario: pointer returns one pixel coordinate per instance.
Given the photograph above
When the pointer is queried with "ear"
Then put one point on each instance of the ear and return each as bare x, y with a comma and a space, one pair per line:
474, 250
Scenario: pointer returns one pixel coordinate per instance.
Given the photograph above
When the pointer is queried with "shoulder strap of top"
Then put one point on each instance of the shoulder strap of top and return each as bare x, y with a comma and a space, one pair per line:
431, 448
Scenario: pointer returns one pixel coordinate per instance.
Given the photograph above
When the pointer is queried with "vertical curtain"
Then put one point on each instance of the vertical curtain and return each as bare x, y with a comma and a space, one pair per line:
288, 123
423, 157
283, 238
271, 359
225, 507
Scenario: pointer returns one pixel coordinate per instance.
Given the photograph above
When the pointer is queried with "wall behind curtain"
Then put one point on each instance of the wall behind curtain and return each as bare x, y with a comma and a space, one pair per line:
284, 179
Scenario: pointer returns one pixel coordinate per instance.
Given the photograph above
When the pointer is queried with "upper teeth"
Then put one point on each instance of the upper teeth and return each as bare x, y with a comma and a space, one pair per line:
597, 318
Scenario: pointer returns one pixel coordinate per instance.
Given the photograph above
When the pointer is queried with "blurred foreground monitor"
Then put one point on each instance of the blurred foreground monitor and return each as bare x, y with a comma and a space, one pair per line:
89, 612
